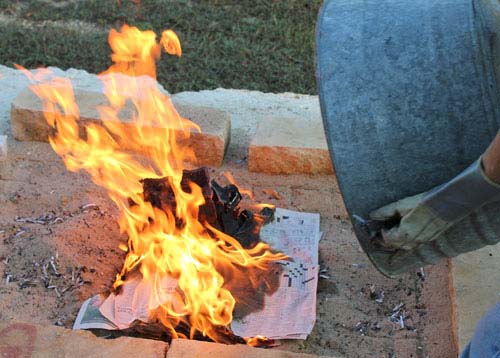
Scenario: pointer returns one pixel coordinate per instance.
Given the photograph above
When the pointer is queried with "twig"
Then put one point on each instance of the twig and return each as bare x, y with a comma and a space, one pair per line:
19, 233
421, 274
44, 271
380, 298
89, 206
53, 265
401, 321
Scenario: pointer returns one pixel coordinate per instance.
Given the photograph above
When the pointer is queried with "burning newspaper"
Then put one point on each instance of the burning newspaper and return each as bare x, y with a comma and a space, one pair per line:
289, 313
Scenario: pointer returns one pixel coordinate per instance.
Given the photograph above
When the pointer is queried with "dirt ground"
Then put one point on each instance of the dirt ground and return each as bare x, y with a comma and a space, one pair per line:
69, 252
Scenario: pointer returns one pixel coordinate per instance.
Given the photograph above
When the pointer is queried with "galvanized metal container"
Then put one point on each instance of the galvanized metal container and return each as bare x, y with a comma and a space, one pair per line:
409, 98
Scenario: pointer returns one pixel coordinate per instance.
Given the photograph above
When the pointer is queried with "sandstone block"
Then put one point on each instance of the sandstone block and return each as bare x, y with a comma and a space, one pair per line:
211, 143
475, 281
28, 123
29, 340
183, 348
289, 146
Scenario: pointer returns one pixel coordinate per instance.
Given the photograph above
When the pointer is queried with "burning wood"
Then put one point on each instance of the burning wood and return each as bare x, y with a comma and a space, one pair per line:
220, 209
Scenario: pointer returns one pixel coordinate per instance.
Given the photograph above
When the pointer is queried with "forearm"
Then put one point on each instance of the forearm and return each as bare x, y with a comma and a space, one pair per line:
491, 160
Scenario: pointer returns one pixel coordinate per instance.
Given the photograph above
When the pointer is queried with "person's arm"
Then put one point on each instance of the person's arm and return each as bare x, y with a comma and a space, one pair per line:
491, 160
424, 217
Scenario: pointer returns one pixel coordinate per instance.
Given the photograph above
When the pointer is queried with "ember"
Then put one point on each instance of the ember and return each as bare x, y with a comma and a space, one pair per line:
180, 225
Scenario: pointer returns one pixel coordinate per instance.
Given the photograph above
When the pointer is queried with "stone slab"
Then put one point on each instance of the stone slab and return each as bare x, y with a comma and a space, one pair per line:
476, 280
289, 146
28, 340
209, 145
183, 348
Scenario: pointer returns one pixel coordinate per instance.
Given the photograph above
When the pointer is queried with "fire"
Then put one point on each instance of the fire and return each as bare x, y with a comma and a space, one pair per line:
243, 191
207, 264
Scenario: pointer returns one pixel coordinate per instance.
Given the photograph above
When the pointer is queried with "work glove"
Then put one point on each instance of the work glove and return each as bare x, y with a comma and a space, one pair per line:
424, 217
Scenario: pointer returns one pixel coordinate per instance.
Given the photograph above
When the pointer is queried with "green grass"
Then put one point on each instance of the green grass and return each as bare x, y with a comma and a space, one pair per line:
257, 45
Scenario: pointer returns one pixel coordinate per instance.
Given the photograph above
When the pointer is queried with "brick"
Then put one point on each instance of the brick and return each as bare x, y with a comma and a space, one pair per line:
28, 340
28, 123
183, 348
3, 147
289, 146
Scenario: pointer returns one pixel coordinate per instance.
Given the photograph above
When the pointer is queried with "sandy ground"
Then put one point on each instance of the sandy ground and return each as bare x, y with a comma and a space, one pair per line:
71, 253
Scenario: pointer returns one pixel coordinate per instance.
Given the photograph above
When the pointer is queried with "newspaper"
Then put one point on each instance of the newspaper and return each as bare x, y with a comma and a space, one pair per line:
120, 311
90, 317
290, 313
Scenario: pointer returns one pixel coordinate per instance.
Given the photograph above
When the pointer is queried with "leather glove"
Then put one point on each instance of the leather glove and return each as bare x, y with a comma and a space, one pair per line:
424, 217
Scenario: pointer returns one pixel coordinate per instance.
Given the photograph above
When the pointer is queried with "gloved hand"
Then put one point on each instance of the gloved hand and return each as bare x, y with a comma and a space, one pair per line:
424, 217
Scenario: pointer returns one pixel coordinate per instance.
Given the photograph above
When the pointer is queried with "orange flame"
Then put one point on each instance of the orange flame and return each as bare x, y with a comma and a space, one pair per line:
206, 262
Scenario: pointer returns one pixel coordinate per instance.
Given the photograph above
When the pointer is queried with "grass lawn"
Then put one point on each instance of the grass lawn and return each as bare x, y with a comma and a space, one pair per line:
264, 45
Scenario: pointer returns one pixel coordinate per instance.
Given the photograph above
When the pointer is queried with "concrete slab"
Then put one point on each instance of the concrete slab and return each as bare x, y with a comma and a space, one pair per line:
476, 280
209, 145
290, 145
19, 339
